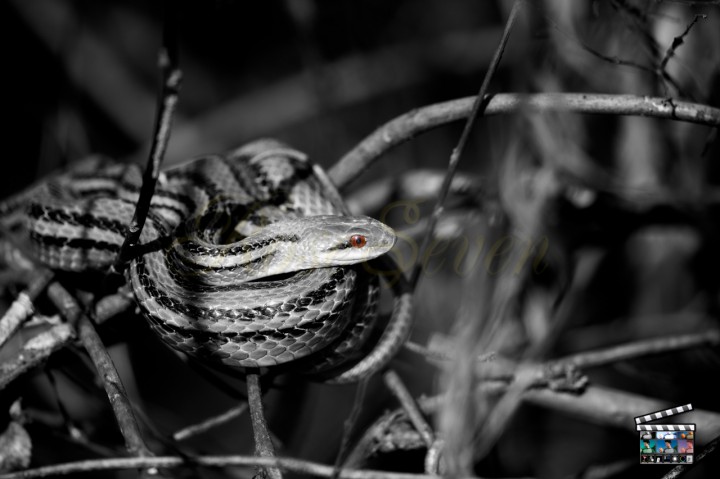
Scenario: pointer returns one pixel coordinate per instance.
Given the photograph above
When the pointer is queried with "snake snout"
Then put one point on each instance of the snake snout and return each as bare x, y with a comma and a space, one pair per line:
354, 239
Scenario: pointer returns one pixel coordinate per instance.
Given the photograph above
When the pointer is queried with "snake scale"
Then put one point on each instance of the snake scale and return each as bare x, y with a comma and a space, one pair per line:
248, 259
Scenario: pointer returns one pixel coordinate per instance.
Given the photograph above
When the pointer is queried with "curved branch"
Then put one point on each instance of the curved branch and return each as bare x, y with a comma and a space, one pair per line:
408, 125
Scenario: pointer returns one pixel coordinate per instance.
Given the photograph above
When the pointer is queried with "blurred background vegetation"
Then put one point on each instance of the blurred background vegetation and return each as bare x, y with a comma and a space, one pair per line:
81, 77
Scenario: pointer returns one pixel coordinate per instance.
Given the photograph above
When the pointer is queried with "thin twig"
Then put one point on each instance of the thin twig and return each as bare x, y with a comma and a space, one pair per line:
457, 151
434, 355
107, 373
22, 307
679, 40
263, 442
432, 444
391, 432
683, 468
411, 124
215, 421
637, 349
656, 72
612, 407
293, 465
113, 304
35, 351
172, 77
349, 425
397, 387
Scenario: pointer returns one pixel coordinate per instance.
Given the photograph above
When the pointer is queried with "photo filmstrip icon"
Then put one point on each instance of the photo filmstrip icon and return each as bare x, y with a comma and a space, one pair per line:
663, 414
666, 443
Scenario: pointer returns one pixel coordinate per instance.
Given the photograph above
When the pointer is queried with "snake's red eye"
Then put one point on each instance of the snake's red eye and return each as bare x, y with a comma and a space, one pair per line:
357, 241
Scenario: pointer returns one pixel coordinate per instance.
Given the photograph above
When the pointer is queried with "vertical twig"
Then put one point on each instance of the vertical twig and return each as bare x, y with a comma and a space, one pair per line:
349, 425
433, 458
457, 151
263, 442
678, 41
172, 78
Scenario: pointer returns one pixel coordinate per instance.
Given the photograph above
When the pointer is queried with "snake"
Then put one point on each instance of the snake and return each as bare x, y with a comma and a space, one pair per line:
248, 259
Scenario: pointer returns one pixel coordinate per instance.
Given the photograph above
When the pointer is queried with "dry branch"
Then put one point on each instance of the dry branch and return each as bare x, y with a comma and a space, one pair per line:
397, 387
22, 307
646, 347
611, 407
172, 78
263, 442
35, 351
409, 125
105, 368
294, 465
681, 469
457, 151
206, 425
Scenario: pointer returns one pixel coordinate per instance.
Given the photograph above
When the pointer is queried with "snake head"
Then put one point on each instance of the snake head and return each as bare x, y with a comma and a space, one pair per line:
320, 241
346, 240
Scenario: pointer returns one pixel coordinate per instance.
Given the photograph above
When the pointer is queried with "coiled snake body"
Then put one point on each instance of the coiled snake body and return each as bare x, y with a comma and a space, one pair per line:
247, 257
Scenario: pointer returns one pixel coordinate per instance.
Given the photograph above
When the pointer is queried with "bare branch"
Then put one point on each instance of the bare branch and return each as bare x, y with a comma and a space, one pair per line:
263, 442
612, 407
113, 304
679, 40
392, 431
35, 351
408, 125
636, 349
22, 307
433, 458
457, 151
172, 77
397, 387
109, 376
349, 425
210, 423
293, 465
656, 72
678, 471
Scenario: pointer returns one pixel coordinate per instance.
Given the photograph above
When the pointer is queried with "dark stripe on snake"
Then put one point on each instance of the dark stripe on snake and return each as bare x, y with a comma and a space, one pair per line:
210, 337
298, 304
100, 193
340, 246
79, 243
241, 176
84, 220
194, 268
